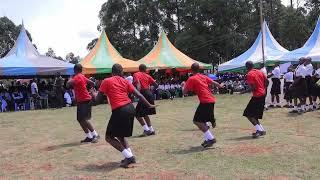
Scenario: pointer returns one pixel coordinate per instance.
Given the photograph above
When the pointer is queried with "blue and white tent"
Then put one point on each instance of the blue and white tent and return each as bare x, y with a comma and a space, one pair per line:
310, 49
273, 51
24, 60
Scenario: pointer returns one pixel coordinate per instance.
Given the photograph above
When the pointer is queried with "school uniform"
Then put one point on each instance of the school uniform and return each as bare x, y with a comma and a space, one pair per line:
316, 90
276, 83
309, 73
256, 104
200, 85
288, 80
83, 98
300, 87
117, 88
145, 81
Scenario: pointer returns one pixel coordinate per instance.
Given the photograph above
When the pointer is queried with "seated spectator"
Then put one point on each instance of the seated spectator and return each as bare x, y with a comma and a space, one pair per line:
67, 99
18, 99
8, 98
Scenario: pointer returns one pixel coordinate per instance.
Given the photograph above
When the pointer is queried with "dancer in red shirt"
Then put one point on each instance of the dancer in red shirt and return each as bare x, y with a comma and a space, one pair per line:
83, 98
201, 86
120, 125
254, 110
143, 81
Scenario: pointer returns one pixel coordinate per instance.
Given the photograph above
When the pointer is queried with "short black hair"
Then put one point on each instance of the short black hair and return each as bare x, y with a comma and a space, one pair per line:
195, 67
117, 70
249, 65
77, 68
142, 68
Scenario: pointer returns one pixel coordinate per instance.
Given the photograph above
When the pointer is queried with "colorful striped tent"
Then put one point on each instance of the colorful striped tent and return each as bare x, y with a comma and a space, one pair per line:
24, 60
103, 56
165, 56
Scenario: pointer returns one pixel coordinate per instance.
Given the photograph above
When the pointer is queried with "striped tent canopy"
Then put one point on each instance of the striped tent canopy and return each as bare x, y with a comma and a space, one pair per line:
103, 56
310, 49
24, 60
272, 51
165, 56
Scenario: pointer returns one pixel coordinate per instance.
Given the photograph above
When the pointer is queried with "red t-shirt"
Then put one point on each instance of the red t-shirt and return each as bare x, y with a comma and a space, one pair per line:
80, 88
117, 89
145, 80
200, 84
257, 78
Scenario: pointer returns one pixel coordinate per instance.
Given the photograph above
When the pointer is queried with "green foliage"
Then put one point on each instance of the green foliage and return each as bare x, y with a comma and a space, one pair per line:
211, 31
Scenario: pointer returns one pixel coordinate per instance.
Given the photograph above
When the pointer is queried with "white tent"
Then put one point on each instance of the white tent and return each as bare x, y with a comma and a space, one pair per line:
310, 49
273, 51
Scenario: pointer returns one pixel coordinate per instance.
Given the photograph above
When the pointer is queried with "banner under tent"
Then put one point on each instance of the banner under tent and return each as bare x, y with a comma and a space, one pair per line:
24, 60
103, 56
310, 49
165, 56
273, 51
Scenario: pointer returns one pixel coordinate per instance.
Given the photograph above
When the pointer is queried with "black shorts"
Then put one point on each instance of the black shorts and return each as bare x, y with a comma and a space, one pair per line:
276, 86
255, 108
287, 90
315, 91
121, 122
299, 90
142, 109
309, 85
84, 111
204, 113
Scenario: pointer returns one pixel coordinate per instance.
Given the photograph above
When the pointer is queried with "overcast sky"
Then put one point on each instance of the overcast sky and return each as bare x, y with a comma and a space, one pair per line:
64, 25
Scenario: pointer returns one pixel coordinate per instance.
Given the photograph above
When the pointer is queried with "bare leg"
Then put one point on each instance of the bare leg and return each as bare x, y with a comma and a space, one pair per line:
89, 125
124, 142
84, 126
115, 143
147, 120
141, 121
202, 126
253, 121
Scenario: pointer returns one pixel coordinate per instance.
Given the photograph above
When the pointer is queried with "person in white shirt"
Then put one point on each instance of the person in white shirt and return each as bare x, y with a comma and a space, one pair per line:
129, 78
309, 73
67, 99
315, 89
263, 69
288, 80
299, 87
276, 85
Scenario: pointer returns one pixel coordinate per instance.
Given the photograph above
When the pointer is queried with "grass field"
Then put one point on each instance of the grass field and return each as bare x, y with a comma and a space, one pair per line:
45, 145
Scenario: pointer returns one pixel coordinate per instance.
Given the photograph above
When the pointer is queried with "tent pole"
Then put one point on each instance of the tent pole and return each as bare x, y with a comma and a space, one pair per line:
262, 31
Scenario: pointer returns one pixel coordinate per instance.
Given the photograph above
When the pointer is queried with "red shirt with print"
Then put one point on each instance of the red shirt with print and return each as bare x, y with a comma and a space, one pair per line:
257, 79
145, 80
200, 85
117, 89
80, 88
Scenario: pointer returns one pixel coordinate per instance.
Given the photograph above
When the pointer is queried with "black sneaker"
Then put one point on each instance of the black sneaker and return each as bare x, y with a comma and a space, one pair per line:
271, 106
94, 140
97, 137
87, 140
152, 133
208, 143
257, 134
294, 111
146, 133
278, 106
262, 133
127, 161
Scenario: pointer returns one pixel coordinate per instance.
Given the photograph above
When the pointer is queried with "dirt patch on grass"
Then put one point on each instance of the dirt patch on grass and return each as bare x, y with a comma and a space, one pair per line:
82, 178
248, 149
47, 167
278, 178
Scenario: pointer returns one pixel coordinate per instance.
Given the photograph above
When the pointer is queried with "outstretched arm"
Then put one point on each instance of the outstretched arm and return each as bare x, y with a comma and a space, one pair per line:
70, 83
141, 97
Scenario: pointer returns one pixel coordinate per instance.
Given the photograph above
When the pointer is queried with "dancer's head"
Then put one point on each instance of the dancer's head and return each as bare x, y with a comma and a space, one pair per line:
195, 67
117, 70
77, 68
249, 65
143, 68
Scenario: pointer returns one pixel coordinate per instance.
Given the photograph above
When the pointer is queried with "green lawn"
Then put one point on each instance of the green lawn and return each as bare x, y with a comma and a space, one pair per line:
44, 145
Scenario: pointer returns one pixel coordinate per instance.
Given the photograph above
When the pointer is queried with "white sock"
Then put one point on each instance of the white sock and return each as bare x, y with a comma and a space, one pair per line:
151, 129
208, 135
94, 133
128, 149
126, 154
258, 128
295, 107
89, 135
207, 123
303, 107
146, 128
261, 127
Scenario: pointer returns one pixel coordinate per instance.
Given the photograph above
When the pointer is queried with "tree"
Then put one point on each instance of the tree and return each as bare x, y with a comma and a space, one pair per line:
91, 45
8, 34
71, 58
51, 53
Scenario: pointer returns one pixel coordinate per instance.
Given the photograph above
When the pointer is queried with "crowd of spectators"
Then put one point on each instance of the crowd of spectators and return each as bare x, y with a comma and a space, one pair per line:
234, 82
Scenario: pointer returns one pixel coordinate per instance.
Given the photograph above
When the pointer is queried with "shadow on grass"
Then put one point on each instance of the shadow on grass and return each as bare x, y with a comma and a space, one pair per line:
55, 147
193, 149
189, 130
244, 138
107, 167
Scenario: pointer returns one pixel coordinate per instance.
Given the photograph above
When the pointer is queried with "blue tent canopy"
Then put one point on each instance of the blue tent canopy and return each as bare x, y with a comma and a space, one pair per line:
310, 49
273, 50
24, 60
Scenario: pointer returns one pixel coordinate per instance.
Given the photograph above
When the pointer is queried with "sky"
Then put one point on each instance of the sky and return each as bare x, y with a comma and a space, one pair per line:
64, 25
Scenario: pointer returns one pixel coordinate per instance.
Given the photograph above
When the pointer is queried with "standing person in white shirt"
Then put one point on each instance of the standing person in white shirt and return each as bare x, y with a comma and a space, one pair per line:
299, 87
263, 69
309, 73
67, 98
276, 85
35, 93
129, 78
315, 90
288, 80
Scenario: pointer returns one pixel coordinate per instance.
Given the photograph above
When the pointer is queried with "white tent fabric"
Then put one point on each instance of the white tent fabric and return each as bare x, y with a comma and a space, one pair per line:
310, 49
273, 50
